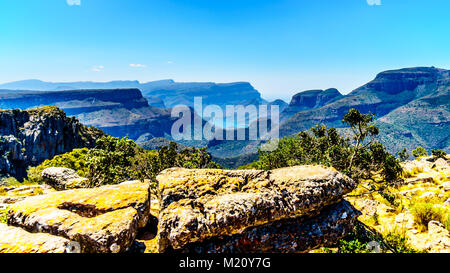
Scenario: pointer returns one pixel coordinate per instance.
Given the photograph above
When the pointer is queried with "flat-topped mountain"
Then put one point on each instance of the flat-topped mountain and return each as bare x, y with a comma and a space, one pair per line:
167, 93
212, 93
412, 108
310, 99
118, 112
388, 91
74, 102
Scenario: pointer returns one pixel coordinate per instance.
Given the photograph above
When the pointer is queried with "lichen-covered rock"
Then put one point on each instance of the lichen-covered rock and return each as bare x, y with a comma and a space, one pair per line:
13, 194
63, 178
200, 204
286, 236
104, 219
17, 240
438, 238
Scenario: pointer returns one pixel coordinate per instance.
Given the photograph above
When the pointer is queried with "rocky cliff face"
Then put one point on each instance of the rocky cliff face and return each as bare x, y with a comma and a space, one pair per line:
74, 102
29, 137
311, 99
119, 112
212, 93
412, 105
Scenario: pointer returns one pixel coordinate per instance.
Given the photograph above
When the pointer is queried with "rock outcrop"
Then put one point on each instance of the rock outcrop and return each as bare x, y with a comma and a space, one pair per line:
17, 240
286, 236
63, 178
101, 220
311, 99
29, 137
199, 205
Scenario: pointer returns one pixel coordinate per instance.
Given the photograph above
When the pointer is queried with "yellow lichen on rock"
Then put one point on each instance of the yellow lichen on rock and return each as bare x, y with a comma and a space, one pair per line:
200, 204
17, 240
104, 219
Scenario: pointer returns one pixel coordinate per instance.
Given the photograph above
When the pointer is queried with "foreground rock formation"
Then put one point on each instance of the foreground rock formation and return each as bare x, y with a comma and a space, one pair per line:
202, 211
286, 236
201, 205
101, 220
17, 240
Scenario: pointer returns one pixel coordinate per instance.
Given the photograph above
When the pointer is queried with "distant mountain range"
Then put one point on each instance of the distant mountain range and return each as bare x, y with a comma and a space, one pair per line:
411, 106
164, 93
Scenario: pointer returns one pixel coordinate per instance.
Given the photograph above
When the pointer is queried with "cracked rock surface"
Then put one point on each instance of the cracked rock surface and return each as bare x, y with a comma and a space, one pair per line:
101, 220
196, 205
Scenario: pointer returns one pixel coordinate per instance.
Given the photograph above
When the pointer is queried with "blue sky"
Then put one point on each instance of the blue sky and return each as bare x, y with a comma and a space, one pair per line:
280, 46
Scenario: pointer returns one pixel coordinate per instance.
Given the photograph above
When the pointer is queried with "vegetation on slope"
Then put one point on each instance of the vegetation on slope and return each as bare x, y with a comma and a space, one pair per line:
360, 157
115, 160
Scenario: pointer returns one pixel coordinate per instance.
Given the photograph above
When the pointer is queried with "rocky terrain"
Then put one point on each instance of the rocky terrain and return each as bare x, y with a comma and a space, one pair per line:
417, 209
223, 211
29, 137
290, 210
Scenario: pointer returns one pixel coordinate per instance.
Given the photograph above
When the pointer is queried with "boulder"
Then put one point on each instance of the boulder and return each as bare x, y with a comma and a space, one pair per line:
196, 205
286, 236
438, 238
104, 219
446, 186
63, 178
17, 240
440, 163
447, 202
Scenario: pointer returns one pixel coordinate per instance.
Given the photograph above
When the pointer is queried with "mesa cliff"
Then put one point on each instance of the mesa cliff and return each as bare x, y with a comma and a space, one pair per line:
28, 137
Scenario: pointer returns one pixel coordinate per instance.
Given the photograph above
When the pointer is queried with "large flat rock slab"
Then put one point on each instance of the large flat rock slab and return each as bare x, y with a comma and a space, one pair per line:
200, 204
17, 240
286, 236
104, 219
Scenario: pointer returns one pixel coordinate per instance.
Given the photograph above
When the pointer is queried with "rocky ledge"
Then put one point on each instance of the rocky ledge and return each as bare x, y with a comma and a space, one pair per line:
202, 211
266, 209
101, 220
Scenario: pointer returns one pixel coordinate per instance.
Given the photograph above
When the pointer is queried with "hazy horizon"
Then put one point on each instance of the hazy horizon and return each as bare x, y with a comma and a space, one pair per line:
281, 47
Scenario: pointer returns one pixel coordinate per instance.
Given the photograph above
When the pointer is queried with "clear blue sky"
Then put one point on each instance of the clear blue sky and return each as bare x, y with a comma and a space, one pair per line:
280, 46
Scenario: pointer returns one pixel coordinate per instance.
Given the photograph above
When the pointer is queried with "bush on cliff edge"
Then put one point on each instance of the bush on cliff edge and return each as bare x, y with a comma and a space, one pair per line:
360, 157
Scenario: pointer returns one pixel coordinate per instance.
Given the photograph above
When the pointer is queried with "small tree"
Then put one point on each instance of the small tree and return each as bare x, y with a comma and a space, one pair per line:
403, 155
439, 154
419, 152
362, 127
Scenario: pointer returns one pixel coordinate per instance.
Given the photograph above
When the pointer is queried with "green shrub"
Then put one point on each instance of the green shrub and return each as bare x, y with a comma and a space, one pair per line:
403, 155
398, 242
76, 160
115, 160
446, 221
360, 159
352, 246
419, 152
439, 154
3, 214
111, 161
425, 212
